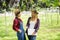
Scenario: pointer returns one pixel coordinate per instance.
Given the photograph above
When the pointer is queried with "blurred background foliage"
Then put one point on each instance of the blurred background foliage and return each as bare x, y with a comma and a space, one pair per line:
29, 4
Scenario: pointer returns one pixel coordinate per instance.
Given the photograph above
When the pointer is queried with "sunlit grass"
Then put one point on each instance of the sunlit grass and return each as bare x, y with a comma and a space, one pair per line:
49, 27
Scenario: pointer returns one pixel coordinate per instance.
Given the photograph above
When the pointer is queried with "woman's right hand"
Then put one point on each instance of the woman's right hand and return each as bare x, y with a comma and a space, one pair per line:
26, 27
19, 31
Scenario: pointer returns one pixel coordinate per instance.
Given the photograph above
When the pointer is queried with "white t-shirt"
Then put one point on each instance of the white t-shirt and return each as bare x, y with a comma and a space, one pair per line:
31, 28
32, 24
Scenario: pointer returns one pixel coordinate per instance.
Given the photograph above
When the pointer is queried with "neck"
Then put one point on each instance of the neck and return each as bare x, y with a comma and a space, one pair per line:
33, 18
18, 17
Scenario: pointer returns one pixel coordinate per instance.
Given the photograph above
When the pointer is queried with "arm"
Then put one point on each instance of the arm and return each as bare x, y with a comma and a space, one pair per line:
28, 22
15, 23
38, 25
27, 25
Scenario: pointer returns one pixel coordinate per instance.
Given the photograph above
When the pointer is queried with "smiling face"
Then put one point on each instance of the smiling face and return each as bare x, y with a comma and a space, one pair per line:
34, 14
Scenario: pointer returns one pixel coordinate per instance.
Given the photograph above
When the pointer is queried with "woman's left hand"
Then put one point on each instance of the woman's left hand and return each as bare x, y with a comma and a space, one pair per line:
33, 33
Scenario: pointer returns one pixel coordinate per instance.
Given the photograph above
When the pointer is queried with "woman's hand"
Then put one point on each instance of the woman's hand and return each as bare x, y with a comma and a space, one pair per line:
33, 33
26, 27
19, 31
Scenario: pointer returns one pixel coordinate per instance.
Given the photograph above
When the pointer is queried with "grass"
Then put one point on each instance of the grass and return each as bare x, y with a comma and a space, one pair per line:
49, 27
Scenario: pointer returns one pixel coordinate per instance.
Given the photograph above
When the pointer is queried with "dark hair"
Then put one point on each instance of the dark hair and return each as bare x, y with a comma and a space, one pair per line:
35, 11
16, 14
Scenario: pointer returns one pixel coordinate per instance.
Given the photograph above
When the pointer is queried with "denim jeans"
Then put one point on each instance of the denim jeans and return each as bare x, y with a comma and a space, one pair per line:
21, 36
32, 37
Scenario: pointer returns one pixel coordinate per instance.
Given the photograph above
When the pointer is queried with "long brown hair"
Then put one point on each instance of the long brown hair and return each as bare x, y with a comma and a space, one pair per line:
17, 12
35, 11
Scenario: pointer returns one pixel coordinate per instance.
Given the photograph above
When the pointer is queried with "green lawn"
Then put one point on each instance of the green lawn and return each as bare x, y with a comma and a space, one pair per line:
49, 27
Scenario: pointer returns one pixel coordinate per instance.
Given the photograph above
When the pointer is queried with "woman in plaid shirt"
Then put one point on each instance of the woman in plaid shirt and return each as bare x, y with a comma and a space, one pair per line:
18, 26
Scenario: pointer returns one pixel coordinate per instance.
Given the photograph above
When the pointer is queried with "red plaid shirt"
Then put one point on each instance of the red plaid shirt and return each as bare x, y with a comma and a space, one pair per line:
16, 24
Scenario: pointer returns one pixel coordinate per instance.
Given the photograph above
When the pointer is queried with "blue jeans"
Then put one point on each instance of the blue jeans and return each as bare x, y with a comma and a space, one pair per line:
32, 37
21, 36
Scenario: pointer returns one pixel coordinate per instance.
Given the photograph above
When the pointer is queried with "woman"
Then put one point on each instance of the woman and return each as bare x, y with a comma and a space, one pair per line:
33, 25
18, 26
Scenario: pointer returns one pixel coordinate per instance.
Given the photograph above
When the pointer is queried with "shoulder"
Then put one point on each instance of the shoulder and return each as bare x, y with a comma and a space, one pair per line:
29, 18
15, 20
38, 20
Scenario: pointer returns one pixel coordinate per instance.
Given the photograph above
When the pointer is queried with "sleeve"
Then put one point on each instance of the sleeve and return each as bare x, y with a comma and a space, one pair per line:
38, 25
15, 23
28, 21
27, 25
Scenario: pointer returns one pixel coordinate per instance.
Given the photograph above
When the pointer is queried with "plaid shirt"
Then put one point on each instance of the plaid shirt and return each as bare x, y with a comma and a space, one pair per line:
16, 24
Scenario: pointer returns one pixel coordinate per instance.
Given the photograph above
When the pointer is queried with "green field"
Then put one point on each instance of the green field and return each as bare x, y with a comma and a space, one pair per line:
49, 27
